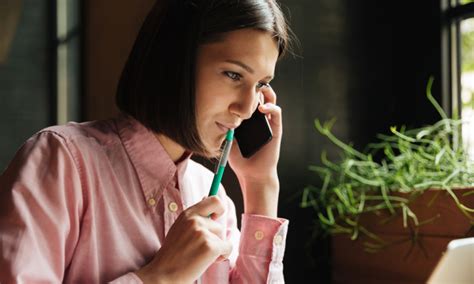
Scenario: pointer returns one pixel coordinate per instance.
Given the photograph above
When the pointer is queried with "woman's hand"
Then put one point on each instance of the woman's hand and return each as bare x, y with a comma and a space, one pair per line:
258, 175
193, 243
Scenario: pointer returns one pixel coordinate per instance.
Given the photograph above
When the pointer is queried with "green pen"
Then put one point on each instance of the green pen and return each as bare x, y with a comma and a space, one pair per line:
222, 163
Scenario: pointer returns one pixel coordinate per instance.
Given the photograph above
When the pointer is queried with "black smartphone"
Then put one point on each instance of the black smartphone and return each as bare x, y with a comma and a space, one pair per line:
253, 133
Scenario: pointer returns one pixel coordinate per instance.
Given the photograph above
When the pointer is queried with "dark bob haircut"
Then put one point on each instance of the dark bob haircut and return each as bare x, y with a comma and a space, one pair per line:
157, 85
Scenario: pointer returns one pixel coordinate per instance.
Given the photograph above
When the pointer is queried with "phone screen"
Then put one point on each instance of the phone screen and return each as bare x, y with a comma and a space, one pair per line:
253, 133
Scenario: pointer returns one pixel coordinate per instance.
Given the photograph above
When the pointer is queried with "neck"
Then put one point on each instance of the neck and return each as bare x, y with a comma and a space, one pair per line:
174, 150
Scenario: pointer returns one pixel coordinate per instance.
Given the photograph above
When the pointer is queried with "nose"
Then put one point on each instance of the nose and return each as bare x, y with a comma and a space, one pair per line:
246, 103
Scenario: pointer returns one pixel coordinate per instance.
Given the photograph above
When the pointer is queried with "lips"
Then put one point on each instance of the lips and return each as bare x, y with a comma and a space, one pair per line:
226, 126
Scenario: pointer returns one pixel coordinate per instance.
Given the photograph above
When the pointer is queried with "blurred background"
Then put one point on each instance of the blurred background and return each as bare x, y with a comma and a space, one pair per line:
365, 63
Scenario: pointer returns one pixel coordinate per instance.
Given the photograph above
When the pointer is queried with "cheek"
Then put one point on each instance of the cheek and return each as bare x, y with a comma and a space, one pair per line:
207, 110
214, 95
207, 89
206, 104
213, 98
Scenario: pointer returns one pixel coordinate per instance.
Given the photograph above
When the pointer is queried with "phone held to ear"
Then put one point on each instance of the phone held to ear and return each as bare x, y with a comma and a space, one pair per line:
253, 134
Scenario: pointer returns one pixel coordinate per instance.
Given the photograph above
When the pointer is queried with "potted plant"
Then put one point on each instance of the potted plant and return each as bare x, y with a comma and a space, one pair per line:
392, 209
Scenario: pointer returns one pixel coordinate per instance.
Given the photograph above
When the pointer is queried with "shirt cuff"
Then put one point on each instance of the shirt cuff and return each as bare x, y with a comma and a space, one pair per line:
129, 278
262, 236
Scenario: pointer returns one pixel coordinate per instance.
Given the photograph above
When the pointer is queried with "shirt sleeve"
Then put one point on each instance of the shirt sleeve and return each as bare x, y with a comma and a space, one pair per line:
261, 247
40, 205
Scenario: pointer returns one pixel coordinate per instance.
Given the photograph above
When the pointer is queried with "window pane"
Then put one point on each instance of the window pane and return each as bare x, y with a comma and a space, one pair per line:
25, 72
467, 82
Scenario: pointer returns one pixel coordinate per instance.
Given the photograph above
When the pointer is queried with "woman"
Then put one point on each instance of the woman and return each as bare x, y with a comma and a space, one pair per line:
120, 200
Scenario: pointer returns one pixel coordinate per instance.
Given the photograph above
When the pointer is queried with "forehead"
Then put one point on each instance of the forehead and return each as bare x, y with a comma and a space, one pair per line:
254, 47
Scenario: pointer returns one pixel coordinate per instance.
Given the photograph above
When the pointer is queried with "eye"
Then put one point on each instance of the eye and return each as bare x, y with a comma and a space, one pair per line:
232, 75
262, 85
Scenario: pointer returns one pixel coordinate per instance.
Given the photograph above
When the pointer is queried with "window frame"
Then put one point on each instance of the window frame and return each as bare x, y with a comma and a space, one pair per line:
67, 61
453, 13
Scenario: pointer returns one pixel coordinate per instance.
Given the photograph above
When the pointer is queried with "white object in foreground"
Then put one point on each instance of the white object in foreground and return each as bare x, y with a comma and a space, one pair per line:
456, 265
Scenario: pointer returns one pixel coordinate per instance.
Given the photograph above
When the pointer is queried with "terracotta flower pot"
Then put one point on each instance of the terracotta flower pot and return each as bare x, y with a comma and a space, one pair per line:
411, 253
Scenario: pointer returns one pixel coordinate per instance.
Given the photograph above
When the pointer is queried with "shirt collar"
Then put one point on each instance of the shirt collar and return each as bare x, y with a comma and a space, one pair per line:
153, 165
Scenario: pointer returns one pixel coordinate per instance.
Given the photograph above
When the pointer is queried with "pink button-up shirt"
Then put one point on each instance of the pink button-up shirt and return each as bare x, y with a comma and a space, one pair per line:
93, 202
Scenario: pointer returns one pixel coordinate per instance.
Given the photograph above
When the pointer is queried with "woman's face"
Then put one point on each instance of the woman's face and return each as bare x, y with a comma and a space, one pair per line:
229, 77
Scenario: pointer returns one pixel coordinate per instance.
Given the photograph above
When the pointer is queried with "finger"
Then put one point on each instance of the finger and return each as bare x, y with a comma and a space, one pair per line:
214, 227
269, 95
220, 248
274, 111
221, 258
211, 205
225, 250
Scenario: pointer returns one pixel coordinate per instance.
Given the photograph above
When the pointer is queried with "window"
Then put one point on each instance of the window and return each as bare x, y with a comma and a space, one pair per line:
25, 73
458, 65
68, 39
467, 82
39, 68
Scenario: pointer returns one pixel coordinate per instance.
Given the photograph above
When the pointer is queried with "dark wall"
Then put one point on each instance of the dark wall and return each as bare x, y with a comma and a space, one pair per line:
365, 63
110, 28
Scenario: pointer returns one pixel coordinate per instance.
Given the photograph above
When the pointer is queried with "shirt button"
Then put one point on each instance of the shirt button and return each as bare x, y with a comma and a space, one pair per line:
173, 207
278, 239
259, 235
151, 201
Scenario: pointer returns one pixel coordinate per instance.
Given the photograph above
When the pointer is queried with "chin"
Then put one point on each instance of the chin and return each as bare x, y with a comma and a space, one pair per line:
211, 154
214, 149
215, 152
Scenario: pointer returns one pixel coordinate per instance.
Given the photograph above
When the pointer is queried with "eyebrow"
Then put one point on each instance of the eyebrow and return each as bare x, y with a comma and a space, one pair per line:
246, 67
